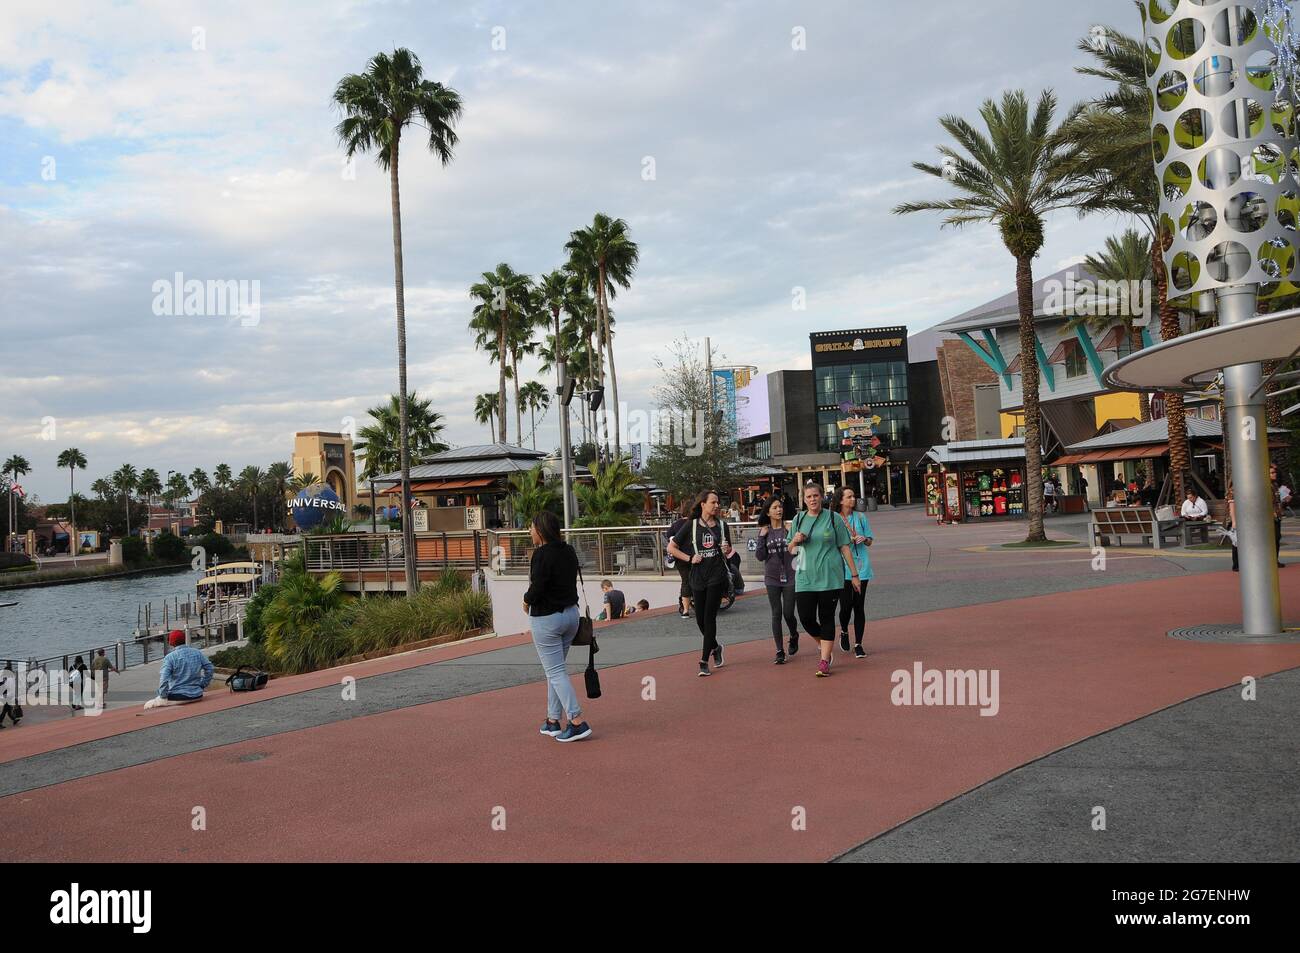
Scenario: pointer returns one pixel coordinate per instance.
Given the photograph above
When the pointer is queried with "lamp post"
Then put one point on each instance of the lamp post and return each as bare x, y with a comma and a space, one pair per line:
1221, 136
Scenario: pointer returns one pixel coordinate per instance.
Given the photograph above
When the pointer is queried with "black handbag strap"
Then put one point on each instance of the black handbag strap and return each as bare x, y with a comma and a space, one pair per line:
582, 588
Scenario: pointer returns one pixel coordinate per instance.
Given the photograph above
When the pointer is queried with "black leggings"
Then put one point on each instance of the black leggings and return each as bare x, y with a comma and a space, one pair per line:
817, 613
854, 603
706, 602
781, 600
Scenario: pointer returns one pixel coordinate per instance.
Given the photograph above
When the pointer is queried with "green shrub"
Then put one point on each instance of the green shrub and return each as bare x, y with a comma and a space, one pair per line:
253, 627
237, 655
462, 611
215, 544
168, 548
134, 551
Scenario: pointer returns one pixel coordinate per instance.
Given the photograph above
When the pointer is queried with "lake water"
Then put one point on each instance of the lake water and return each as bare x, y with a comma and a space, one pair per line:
73, 618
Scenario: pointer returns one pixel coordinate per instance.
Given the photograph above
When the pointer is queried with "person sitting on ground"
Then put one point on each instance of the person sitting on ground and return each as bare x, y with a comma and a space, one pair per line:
641, 606
615, 602
185, 672
1194, 507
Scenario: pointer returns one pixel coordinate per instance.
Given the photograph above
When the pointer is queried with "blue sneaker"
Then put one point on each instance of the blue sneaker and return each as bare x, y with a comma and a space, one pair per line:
717, 654
551, 728
574, 732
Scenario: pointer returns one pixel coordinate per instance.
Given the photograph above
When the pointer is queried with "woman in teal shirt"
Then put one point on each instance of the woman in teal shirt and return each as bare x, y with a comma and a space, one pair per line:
853, 600
820, 545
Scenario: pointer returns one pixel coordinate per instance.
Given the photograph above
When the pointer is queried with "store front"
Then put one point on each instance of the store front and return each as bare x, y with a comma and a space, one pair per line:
975, 480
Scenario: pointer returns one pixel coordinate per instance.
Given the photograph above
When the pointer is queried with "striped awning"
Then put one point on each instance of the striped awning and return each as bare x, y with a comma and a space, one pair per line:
441, 486
1115, 453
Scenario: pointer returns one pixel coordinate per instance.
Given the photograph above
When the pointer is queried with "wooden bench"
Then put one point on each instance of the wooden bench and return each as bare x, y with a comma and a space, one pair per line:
1198, 530
1140, 521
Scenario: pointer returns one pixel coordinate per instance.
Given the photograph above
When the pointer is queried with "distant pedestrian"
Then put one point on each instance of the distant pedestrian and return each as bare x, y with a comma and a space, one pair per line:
77, 683
1275, 499
821, 548
1049, 495
853, 600
705, 544
100, 668
682, 566
778, 574
9, 696
552, 606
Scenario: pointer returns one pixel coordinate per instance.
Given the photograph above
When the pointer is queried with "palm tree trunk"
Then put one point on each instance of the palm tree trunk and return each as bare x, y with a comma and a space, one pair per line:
1029, 392
1179, 456
72, 506
501, 383
408, 528
1144, 403
532, 417
519, 416
609, 349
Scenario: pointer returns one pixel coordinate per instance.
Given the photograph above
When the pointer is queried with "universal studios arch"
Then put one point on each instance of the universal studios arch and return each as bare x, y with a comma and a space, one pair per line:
1223, 128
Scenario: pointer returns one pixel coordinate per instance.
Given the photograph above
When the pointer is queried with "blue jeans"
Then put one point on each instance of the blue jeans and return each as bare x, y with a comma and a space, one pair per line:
552, 636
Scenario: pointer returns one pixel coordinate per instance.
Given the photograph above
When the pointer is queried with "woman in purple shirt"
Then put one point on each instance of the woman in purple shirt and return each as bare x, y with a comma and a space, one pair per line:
778, 574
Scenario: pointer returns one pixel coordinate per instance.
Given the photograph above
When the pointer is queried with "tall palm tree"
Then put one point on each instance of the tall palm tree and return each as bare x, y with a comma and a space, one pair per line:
377, 105
74, 460
278, 475
500, 295
303, 481
485, 412
16, 466
1112, 134
535, 397
177, 489
149, 484
1012, 176
380, 444
222, 475
251, 480
199, 480
125, 479
606, 255
102, 488
1126, 259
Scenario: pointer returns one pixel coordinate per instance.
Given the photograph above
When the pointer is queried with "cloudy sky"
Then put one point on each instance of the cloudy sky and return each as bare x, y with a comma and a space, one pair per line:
141, 140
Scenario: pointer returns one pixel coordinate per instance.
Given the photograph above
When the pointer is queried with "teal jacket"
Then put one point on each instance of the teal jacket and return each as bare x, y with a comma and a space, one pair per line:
859, 525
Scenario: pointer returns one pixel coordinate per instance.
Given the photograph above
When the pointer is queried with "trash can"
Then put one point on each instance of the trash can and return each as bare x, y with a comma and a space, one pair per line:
871, 504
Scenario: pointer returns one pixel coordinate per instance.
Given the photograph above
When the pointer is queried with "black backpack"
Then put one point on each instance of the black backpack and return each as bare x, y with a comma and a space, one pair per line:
242, 681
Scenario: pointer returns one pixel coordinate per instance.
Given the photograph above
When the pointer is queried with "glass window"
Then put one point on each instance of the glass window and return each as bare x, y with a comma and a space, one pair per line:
828, 431
1076, 364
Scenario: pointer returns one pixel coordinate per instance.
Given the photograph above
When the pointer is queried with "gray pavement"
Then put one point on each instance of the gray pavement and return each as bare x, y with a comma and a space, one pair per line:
919, 567
1211, 779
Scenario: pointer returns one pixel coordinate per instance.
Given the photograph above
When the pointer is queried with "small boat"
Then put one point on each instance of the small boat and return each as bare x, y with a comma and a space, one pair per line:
6, 605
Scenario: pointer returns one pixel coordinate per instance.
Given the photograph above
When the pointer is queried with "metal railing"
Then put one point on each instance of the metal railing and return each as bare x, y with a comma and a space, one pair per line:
603, 551
614, 550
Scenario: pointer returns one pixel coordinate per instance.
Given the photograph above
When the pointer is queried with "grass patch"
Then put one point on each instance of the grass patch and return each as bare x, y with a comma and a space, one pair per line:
1045, 544
1221, 547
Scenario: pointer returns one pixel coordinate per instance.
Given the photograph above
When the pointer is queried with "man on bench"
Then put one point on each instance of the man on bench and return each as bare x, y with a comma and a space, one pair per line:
185, 673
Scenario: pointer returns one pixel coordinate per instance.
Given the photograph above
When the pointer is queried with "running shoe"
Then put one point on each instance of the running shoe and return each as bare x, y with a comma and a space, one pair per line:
574, 732
794, 646
717, 654
844, 640
551, 728
859, 651
704, 670
780, 658
823, 668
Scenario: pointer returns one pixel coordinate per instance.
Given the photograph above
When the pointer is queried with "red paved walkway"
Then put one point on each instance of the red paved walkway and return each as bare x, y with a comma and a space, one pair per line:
710, 770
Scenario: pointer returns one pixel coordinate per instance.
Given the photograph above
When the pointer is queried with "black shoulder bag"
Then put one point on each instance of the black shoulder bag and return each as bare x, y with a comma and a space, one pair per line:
587, 636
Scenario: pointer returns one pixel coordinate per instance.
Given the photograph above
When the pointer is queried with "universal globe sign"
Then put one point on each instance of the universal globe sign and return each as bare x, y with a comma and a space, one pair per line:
314, 505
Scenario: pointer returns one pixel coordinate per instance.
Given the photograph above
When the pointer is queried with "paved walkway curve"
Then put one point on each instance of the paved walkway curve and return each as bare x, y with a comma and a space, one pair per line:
680, 768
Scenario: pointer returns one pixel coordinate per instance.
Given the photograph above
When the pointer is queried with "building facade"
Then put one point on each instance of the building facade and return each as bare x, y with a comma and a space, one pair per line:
328, 457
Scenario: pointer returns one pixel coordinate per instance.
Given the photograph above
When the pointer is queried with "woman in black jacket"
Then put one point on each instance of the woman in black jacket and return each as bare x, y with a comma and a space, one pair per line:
552, 606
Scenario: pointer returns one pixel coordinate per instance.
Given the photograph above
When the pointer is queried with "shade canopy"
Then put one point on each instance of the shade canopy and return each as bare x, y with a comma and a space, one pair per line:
1191, 361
